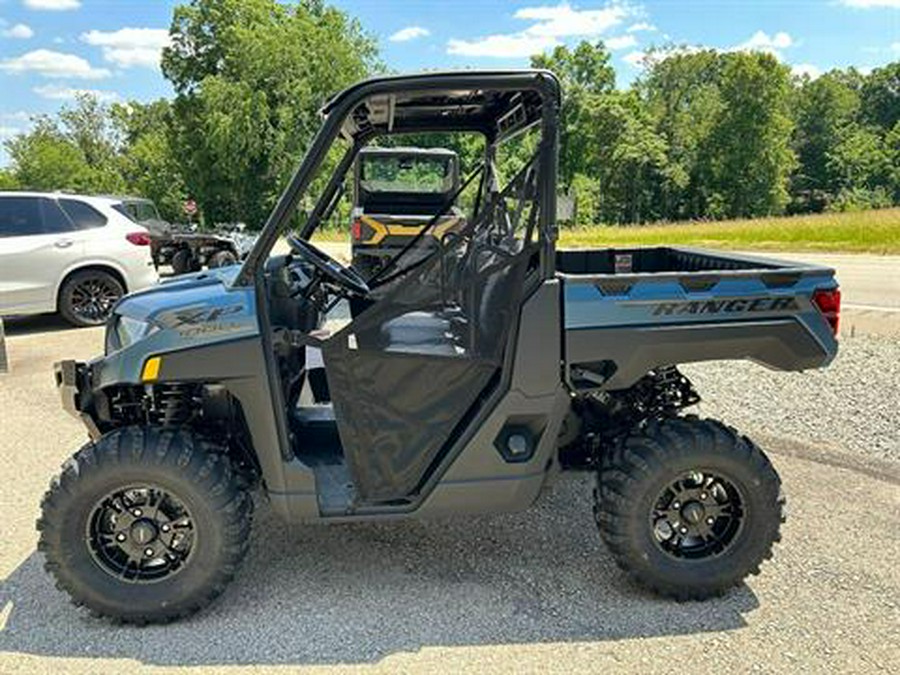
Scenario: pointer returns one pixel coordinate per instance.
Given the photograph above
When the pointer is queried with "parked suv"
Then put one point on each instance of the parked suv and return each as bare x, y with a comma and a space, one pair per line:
69, 253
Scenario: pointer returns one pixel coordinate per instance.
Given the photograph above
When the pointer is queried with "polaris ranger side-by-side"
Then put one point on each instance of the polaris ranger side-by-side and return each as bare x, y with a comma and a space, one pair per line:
489, 366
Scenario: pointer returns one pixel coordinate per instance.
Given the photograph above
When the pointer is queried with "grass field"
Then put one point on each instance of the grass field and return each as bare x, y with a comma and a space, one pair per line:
859, 232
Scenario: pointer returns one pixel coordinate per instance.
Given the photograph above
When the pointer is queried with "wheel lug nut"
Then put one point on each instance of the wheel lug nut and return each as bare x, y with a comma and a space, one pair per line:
684, 530
148, 552
703, 495
165, 528
676, 505
137, 513
710, 520
120, 536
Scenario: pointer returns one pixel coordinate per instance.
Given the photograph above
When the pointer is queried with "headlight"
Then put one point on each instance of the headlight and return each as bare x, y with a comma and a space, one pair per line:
124, 331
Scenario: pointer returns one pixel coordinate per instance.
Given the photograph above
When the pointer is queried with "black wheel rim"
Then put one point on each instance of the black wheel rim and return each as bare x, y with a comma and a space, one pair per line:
92, 299
698, 515
140, 534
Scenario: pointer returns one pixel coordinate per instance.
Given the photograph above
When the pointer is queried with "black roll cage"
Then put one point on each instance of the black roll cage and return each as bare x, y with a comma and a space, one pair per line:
452, 109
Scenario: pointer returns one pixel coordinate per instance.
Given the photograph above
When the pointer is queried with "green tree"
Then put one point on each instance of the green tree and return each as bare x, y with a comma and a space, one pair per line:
864, 167
44, 159
585, 72
881, 96
750, 143
147, 162
8, 180
825, 108
250, 77
627, 156
681, 92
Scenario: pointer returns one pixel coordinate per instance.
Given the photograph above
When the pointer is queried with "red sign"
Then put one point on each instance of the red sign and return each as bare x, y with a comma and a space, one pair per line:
190, 207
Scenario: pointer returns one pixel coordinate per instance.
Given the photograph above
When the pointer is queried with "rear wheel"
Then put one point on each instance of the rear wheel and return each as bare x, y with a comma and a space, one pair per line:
222, 258
688, 507
145, 526
87, 297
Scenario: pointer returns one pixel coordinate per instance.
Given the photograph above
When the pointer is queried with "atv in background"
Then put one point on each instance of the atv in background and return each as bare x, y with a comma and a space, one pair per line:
186, 249
191, 250
396, 191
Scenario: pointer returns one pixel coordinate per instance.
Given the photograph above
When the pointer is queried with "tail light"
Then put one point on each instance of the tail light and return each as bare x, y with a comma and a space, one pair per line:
138, 238
356, 229
828, 303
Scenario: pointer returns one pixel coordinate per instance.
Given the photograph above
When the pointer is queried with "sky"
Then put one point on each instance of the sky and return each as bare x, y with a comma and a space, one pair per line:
52, 49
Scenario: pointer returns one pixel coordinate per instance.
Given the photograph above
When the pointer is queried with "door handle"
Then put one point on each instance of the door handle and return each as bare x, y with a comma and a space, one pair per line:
63, 243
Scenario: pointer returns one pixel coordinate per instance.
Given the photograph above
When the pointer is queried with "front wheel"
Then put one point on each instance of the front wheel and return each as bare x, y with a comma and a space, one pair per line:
688, 507
145, 526
221, 258
183, 261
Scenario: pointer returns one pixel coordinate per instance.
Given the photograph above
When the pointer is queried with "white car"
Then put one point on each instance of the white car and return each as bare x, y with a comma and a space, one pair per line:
69, 253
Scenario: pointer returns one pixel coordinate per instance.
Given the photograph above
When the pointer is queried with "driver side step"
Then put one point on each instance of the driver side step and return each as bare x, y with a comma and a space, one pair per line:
318, 445
334, 489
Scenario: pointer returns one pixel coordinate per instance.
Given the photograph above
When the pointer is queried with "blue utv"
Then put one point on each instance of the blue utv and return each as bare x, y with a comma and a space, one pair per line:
483, 371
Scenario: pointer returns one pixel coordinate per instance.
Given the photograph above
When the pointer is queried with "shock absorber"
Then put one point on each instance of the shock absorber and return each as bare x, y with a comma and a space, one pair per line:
175, 404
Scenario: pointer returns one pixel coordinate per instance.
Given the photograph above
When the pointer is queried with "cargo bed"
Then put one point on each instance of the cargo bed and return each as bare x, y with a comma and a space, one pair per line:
629, 310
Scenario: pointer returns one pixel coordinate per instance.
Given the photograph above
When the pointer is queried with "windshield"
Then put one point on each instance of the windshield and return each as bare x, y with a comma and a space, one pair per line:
419, 174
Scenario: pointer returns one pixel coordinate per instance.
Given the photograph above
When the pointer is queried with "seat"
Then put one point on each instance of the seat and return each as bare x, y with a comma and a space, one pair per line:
423, 332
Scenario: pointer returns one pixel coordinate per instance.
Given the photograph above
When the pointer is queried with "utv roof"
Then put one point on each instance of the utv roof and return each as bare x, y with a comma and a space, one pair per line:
406, 150
493, 102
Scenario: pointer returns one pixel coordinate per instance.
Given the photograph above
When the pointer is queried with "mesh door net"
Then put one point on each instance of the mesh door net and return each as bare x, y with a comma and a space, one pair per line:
406, 374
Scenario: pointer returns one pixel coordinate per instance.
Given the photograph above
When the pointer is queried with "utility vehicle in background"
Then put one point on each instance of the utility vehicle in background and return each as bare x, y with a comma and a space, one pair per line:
492, 365
186, 249
396, 191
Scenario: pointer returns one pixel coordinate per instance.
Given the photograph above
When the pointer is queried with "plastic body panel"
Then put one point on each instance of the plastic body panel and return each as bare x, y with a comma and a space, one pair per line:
755, 308
475, 478
206, 330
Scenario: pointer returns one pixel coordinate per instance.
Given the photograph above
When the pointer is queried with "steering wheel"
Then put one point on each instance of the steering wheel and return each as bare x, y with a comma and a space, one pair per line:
345, 277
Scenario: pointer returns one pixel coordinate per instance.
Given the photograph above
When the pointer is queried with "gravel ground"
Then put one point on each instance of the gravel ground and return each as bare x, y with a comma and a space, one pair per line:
528, 592
852, 406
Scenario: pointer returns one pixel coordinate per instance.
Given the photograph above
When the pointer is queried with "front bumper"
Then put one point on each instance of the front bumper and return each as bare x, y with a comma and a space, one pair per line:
71, 382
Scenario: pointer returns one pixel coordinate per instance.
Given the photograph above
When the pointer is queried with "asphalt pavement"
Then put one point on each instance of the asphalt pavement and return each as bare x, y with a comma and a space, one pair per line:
528, 592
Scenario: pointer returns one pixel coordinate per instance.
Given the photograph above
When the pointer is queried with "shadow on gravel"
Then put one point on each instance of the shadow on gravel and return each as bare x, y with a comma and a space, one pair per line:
359, 593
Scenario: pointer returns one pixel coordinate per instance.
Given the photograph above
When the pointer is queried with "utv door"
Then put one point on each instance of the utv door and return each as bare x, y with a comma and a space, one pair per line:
408, 374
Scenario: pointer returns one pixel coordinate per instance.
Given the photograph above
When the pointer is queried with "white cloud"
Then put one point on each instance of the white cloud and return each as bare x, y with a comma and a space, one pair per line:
129, 47
807, 69
8, 132
563, 21
52, 5
643, 25
634, 59
62, 93
763, 42
49, 63
18, 116
895, 47
868, 4
409, 33
518, 45
620, 42
20, 31
550, 23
